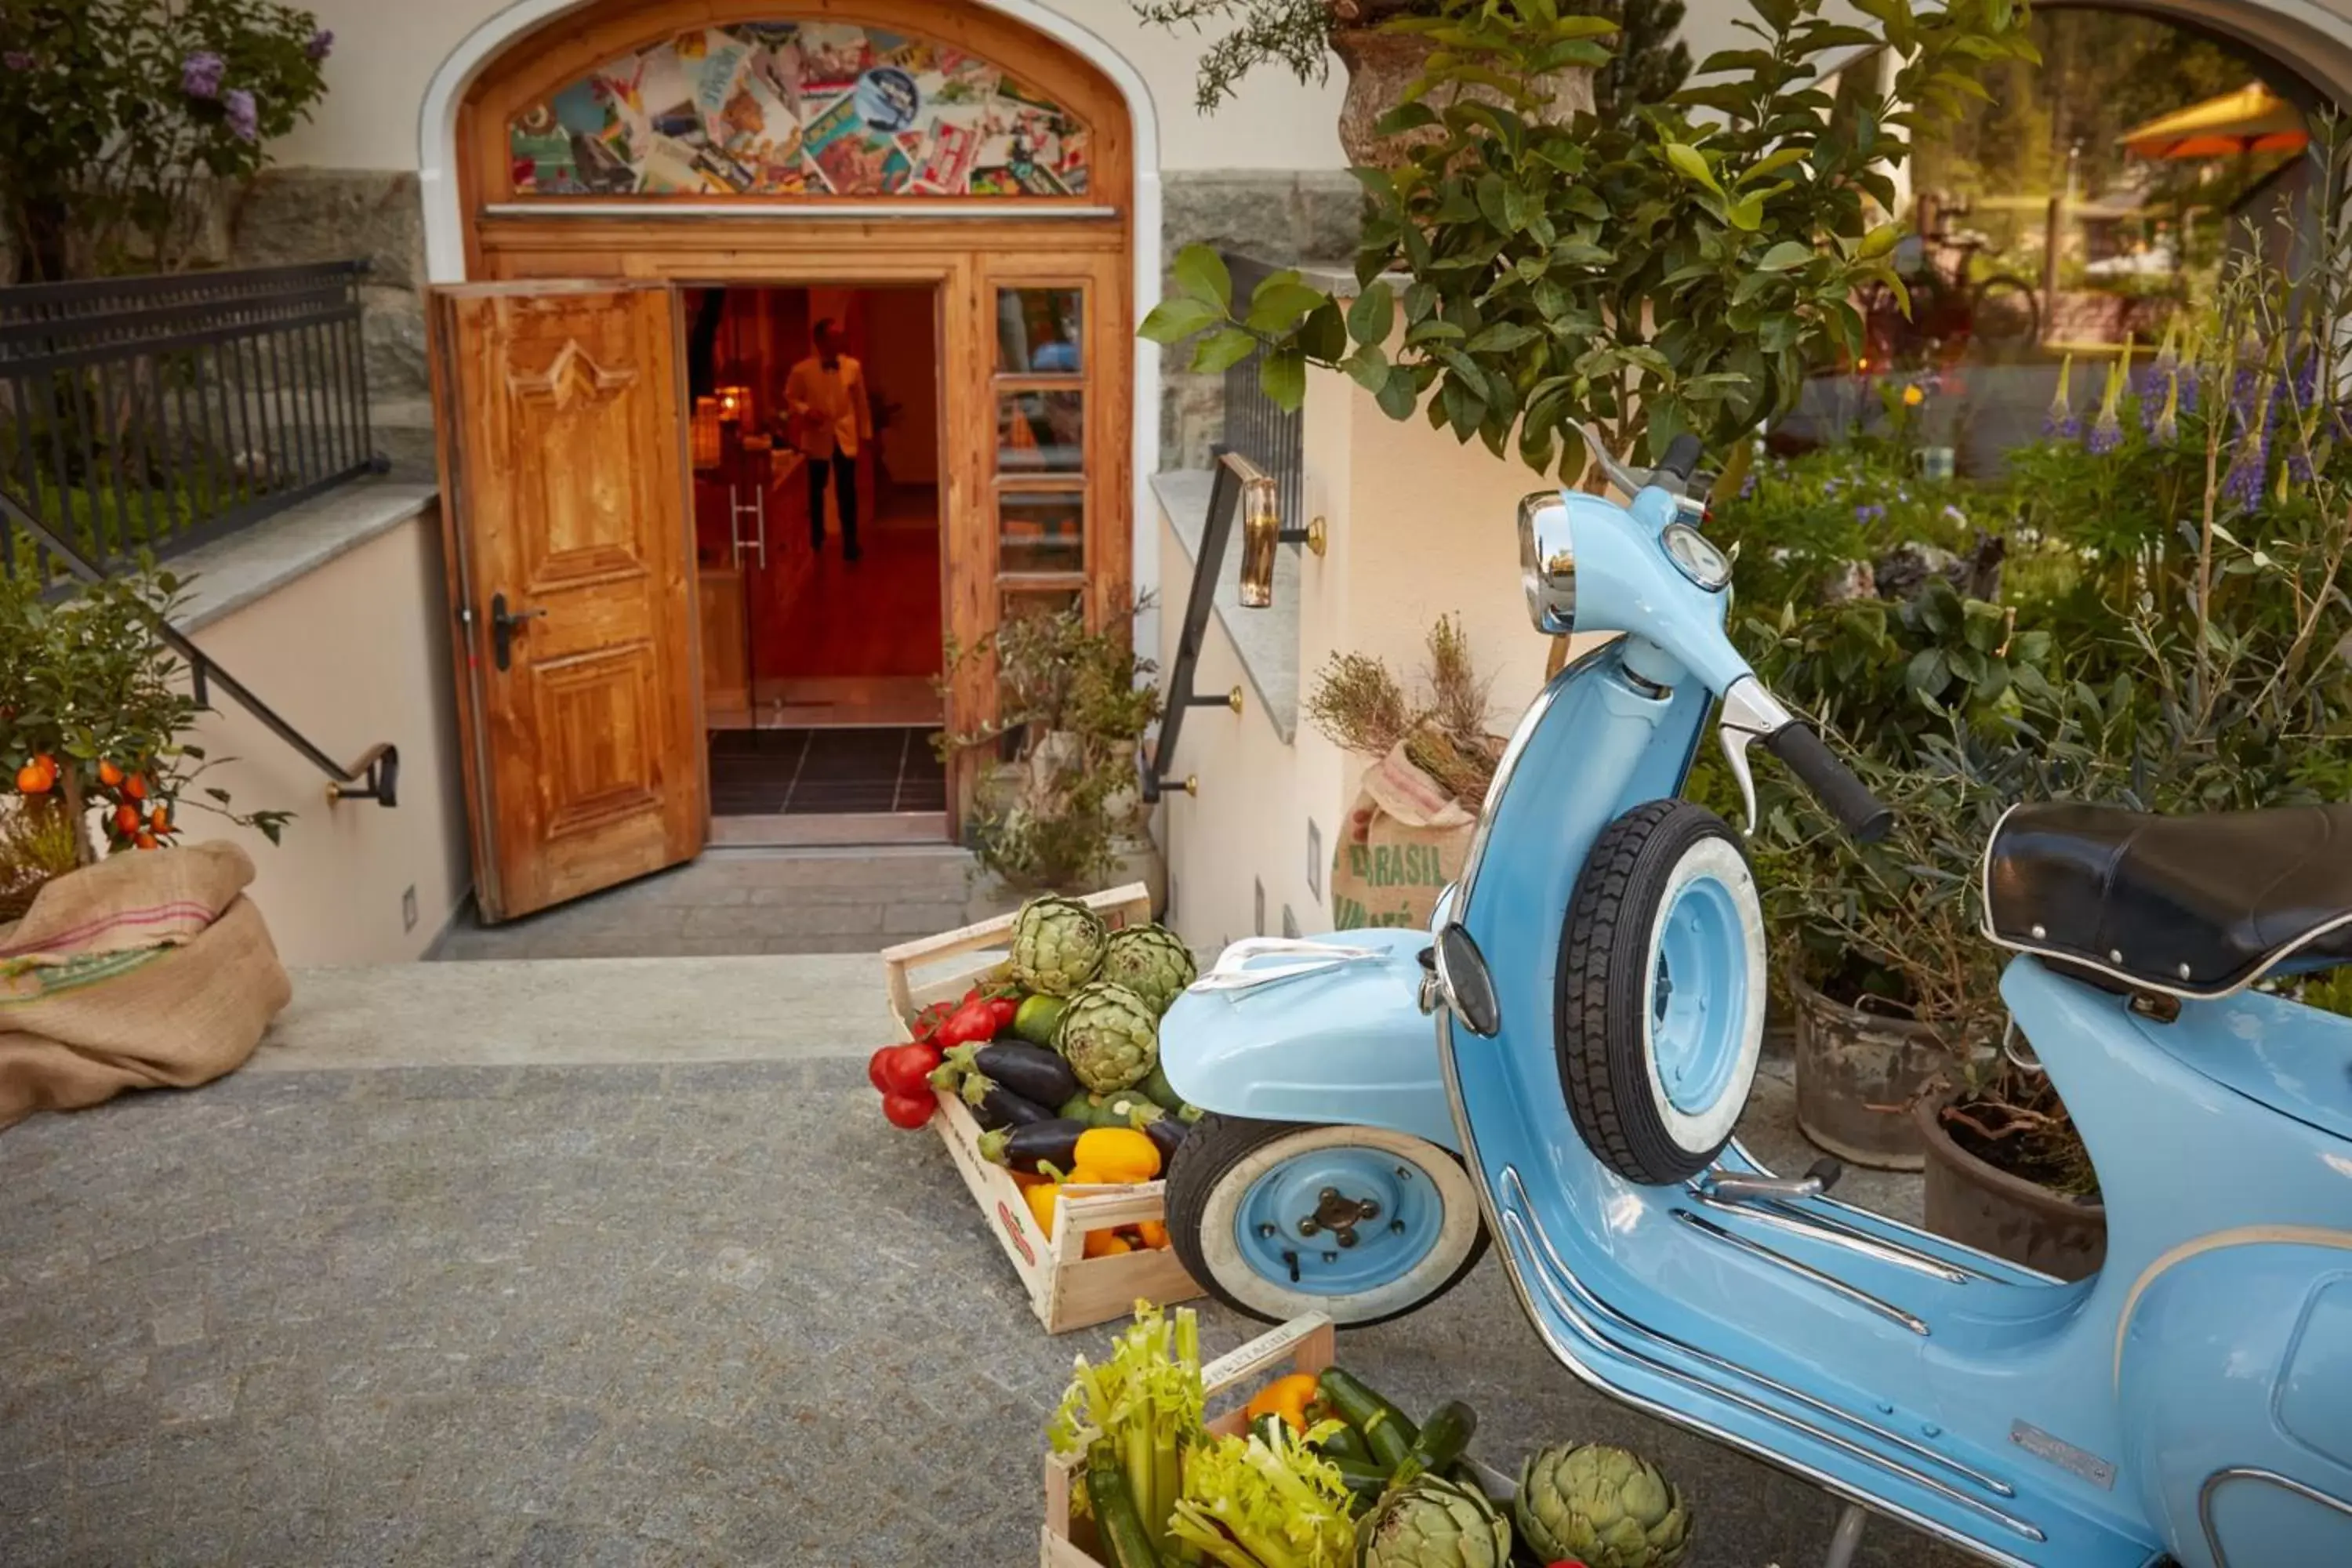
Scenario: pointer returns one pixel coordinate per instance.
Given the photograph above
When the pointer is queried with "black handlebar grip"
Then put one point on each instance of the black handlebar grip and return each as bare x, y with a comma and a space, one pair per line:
1832, 782
1682, 456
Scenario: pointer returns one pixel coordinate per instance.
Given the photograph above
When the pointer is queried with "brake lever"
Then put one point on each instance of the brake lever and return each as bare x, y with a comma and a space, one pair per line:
1751, 713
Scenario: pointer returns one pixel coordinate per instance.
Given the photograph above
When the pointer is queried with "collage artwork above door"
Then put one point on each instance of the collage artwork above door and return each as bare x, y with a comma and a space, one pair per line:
951, 193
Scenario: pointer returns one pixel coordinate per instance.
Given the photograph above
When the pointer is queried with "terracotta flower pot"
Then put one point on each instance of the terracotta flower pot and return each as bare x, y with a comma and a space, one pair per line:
1857, 1076
1381, 65
2009, 1216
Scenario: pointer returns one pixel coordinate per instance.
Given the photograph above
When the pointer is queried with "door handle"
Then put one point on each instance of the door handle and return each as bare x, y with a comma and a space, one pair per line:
503, 626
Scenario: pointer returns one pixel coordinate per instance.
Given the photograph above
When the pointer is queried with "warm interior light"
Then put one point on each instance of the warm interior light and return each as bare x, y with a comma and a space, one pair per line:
734, 403
705, 433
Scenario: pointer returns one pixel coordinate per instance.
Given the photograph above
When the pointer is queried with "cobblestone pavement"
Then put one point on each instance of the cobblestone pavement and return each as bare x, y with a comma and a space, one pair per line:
601, 1315
745, 901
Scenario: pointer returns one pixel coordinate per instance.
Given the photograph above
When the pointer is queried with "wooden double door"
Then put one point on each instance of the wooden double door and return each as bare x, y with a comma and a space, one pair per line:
568, 527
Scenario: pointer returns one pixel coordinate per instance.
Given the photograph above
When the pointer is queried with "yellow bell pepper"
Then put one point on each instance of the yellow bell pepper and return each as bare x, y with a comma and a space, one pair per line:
1041, 1204
1153, 1233
1105, 1244
1119, 1154
1287, 1397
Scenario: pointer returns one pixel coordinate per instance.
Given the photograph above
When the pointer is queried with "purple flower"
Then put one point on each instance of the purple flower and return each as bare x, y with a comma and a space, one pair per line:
1955, 514
2106, 434
1868, 513
18, 60
2165, 428
2056, 426
321, 42
201, 74
244, 117
2298, 468
2243, 486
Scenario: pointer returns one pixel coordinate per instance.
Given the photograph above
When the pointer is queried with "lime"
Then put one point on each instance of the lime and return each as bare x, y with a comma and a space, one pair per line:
1037, 1019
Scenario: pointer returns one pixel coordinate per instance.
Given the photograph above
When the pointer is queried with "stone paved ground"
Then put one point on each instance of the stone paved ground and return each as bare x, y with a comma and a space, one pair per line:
746, 901
708, 1313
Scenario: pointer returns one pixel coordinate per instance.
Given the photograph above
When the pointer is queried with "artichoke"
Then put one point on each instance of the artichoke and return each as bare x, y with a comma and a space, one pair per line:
1433, 1523
1604, 1506
1110, 1035
1151, 961
1057, 943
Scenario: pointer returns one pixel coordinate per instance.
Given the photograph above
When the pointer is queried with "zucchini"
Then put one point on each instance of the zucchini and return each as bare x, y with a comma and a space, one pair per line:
1269, 1429
1123, 1541
1032, 1072
1387, 1431
1347, 1443
1442, 1438
1160, 1091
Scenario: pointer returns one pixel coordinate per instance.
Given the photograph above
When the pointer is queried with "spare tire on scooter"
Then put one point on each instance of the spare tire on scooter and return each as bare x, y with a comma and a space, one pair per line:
1660, 989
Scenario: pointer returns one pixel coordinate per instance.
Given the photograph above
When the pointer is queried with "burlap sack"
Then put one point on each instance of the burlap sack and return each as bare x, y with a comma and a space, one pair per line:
1404, 840
142, 971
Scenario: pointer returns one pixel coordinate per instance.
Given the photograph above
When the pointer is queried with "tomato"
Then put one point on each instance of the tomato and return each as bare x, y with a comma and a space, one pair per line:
908, 1111
907, 1069
874, 1069
973, 1024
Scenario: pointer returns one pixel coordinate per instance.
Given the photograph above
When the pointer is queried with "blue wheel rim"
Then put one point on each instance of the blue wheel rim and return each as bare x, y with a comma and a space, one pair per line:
1699, 1004
1409, 1214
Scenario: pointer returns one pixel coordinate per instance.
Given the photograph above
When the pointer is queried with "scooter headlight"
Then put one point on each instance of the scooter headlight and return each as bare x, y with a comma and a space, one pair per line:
1548, 562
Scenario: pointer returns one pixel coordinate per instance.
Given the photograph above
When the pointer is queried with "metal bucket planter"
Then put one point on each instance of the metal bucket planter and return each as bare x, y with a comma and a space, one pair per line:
2007, 1215
1857, 1076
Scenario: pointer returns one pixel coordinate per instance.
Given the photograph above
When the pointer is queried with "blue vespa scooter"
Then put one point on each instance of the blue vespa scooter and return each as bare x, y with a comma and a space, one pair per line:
1597, 979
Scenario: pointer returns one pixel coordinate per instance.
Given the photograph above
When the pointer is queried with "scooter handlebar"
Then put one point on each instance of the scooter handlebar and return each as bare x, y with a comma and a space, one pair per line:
1866, 818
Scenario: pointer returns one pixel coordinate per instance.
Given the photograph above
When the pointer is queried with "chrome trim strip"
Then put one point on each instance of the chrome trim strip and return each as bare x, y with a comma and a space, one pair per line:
1836, 1233
1619, 1320
1513, 754
1517, 1229
1232, 971
1935, 1529
794, 212
1832, 1201
1806, 1271
2220, 1478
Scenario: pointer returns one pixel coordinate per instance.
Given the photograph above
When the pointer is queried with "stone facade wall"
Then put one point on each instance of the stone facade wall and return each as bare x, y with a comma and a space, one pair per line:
1308, 219
319, 215
327, 215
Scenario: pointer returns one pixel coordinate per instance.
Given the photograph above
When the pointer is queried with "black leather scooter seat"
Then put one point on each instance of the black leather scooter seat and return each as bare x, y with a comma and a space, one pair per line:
2196, 906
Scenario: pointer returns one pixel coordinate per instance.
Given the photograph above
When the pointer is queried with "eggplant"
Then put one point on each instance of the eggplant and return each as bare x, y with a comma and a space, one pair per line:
1032, 1072
1167, 1135
1053, 1142
994, 1106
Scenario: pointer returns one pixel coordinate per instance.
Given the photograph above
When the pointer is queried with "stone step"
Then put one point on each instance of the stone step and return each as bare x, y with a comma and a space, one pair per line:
580, 1012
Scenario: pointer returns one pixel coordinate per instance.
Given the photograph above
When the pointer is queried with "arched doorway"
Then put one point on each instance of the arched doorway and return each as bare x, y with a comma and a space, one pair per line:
940, 178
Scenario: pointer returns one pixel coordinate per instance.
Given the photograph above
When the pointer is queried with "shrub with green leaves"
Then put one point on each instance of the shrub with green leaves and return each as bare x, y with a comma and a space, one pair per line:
1679, 270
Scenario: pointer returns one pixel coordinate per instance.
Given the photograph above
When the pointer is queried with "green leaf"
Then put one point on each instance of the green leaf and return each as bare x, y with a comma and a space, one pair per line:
1200, 274
1324, 337
1173, 321
1368, 367
1878, 242
1501, 337
1372, 316
1928, 673
1691, 163
1747, 214
1399, 393
1284, 376
1221, 350
1281, 302
1787, 253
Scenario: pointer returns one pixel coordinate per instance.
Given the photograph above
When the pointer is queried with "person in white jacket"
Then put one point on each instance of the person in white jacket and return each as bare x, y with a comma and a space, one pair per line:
825, 399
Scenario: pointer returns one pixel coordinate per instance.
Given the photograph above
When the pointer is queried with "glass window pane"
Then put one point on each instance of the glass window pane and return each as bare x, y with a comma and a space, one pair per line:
1041, 531
1020, 602
1040, 432
1039, 331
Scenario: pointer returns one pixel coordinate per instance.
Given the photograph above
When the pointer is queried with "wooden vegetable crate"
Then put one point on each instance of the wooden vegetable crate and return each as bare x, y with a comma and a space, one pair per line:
1066, 1289
1302, 1344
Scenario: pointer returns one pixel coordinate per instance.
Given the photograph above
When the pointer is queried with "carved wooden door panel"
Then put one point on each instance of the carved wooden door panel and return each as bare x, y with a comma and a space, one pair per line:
571, 573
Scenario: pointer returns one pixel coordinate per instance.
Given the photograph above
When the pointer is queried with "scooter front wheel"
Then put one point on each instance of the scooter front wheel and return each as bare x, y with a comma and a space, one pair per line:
1660, 992
1361, 1224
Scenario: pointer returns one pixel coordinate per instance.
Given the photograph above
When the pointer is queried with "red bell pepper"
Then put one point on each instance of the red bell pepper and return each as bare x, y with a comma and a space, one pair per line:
905, 1069
908, 1111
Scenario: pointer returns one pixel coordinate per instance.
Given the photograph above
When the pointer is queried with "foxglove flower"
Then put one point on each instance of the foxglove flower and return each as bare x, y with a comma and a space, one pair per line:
244, 116
201, 74
321, 42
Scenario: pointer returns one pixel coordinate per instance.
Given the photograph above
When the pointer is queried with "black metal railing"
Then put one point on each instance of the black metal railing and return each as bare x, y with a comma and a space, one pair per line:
1256, 427
153, 414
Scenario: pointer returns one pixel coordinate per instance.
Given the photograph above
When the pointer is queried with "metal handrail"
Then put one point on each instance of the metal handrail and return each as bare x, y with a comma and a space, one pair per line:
374, 777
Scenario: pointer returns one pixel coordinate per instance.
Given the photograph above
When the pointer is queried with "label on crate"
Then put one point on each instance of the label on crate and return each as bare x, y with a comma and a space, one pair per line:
1012, 1229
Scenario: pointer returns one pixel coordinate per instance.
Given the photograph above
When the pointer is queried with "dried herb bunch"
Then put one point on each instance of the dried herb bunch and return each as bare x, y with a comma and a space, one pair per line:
1359, 705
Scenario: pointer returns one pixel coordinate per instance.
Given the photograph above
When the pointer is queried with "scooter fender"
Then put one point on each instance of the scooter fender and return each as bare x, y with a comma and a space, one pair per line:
1343, 1045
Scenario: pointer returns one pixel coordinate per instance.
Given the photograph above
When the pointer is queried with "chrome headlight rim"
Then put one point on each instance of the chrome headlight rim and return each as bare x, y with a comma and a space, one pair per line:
1548, 562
